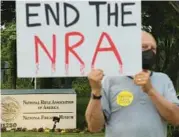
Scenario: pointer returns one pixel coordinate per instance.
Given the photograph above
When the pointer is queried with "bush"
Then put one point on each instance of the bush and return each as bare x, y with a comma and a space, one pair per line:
173, 131
82, 103
3, 129
58, 130
34, 130
76, 131
83, 90
24, 129
47, 130
19, 129
40, 130
81, 86
176, 133
14, 129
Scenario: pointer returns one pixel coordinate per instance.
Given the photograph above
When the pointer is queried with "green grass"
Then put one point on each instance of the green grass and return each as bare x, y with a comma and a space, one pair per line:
37, 134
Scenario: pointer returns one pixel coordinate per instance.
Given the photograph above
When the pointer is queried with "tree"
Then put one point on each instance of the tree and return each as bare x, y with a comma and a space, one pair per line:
162, 18
8, 46
8, 54
7, 11
175, 5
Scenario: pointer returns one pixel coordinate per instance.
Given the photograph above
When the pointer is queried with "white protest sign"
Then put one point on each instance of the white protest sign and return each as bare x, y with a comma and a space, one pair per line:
61, 39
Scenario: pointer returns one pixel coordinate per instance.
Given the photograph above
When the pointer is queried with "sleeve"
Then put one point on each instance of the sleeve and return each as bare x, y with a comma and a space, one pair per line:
105, 101
170, 92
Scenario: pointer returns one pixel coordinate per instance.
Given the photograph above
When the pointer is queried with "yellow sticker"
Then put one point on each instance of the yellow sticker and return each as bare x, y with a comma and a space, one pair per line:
125, 98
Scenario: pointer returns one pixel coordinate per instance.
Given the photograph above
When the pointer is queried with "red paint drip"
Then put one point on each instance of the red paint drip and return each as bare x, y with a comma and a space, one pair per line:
121, 69
71, 49
66, 69
82, 67
37, 68
52, 58
53, 67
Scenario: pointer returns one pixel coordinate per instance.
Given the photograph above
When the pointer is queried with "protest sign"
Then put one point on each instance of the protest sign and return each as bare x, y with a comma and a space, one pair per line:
61, 39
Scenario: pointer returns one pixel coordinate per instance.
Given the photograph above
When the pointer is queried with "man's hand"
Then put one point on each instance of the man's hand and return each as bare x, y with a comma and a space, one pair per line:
95, 77
94, 114
143, 79
168, 110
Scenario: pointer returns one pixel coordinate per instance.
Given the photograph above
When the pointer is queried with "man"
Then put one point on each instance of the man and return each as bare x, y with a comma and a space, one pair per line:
137, 106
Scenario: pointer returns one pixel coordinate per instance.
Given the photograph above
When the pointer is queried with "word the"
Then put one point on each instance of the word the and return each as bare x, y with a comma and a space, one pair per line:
54, 14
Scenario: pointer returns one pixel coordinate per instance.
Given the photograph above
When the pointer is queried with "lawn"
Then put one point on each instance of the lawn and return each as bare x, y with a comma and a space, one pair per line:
37, 134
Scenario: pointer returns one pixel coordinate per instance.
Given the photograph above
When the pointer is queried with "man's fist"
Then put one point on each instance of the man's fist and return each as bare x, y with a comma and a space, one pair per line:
95, 77
143, 79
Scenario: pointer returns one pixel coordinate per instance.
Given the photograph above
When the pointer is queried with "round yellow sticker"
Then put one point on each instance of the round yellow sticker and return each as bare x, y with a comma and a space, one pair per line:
125, 98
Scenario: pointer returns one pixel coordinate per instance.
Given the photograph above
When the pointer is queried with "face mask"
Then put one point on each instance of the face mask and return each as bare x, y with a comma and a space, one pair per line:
148, 59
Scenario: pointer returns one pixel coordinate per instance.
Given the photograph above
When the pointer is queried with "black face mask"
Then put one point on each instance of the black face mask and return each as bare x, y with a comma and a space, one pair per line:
148, 59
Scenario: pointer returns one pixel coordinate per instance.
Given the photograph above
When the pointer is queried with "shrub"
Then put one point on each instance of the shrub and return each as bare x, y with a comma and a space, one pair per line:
86, 130
82, 103
176, 133
46, 130
173, 131
24, 129
58, 130
19, 129
14, 129
63, 131
3, 129
76, 131
34, 130
83, 90
69, 130
40, 130
81, 86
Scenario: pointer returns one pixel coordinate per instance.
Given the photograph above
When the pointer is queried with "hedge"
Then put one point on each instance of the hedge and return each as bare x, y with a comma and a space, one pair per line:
82, 103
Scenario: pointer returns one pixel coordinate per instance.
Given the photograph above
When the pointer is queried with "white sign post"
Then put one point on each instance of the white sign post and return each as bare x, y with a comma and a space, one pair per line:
61, 39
